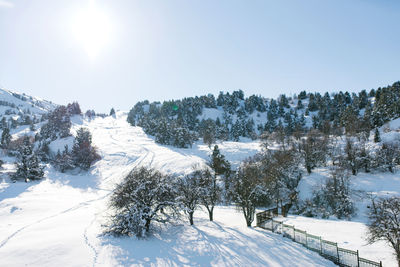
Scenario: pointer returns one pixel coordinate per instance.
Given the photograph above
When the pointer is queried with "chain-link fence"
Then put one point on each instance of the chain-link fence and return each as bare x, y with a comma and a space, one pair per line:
327, 249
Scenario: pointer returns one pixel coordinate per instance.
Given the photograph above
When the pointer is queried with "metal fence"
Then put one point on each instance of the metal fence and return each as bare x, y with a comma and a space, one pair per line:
327, 249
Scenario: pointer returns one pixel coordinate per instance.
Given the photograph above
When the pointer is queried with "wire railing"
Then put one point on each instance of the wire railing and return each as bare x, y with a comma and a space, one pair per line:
327, 249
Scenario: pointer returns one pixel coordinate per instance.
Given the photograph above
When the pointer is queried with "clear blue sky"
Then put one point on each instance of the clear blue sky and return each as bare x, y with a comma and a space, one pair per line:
160, 50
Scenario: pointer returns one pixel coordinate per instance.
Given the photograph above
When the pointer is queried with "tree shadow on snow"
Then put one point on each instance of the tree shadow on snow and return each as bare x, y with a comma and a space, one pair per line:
210, 244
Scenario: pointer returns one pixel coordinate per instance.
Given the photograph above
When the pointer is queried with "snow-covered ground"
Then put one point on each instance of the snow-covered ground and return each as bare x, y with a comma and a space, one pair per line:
58, 221
351, 234
348, 234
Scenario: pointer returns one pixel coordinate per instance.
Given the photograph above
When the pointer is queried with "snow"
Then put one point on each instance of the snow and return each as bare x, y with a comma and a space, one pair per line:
224, 242
348, 234
211, 113
58, 221
59, 144
34, 104
351, 234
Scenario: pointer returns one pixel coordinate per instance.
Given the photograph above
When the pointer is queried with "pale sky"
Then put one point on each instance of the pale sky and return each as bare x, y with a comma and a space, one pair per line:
114, 53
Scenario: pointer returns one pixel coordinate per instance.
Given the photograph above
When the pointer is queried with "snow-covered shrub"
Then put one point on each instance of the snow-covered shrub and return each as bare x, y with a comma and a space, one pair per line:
332, 198
388, 157
145, 195
384, 223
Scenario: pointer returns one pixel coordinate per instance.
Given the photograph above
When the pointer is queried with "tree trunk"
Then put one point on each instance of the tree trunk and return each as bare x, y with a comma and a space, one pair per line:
191, 217
308, 169
248, 222
147, 225
211, 214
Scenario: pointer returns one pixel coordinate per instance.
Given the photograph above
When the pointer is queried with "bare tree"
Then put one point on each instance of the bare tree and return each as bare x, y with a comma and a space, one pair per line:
384, 223
210, 192
248, 190
281, 176
189, 193
313, 149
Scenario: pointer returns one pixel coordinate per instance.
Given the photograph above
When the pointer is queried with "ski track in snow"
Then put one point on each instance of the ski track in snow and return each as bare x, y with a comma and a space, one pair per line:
80, 205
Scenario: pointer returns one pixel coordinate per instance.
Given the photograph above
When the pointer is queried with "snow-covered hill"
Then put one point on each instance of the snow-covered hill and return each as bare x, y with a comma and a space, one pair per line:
15, 103
58, 220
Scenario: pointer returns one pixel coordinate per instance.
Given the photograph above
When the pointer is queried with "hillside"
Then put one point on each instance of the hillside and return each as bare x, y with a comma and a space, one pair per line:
59, 219
232, 116
16, 104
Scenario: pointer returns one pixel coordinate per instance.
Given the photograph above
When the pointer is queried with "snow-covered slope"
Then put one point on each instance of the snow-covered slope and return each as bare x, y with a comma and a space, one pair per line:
16, 102
58, 221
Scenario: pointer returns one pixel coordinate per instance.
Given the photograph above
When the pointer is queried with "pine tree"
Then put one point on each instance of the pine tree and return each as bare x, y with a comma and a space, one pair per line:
28, 166
5, 138
83, 153
112, 112
3, 123
63, 161
218, 163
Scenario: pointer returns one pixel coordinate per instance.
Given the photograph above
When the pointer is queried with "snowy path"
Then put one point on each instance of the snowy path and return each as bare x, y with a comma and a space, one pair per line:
58, 220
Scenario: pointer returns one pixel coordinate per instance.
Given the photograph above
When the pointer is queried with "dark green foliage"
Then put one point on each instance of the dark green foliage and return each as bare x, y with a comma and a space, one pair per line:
28, 164
83, 153
218, 162
112, 112
377, 136
5, 138
74, 109
58, 124
64, 161
330, 114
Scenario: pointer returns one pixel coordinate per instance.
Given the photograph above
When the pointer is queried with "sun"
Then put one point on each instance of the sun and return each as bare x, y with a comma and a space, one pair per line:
92, 28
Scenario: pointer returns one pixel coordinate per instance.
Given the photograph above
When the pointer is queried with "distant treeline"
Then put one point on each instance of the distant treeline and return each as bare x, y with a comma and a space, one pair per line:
177, 123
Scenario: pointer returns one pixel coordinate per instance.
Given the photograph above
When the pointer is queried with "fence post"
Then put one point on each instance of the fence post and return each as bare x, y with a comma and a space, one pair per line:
320, 244
358, 259
294, 233
306, 240
337, 250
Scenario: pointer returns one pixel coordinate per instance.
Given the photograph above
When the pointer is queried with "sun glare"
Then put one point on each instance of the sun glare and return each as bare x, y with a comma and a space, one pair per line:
92, 28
